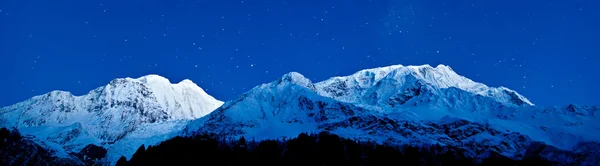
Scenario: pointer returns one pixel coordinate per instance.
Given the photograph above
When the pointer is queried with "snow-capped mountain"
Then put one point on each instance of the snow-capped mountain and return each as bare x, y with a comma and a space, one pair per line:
418, 105
120, 116
381, 83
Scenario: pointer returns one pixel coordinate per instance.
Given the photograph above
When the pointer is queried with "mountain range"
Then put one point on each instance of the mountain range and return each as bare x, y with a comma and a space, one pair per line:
414, 105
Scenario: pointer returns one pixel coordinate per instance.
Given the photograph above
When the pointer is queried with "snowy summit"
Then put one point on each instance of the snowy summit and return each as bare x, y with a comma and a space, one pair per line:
116, 116
415, 105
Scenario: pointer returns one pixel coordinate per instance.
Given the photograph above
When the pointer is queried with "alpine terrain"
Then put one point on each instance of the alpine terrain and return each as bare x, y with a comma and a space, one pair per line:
411, 105
419, 106
118, 117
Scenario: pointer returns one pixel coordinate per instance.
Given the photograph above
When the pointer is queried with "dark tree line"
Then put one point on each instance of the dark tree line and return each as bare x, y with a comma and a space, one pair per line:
306, 150
16, 150
91, 154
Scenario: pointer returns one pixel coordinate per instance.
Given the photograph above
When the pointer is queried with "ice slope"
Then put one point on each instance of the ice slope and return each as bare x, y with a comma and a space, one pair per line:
110, 115
417, 105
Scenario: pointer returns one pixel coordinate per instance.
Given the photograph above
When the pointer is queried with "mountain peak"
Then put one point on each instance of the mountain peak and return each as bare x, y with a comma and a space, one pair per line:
441, 77
126, 111
296, 78
186, 81
156, 82
152, 78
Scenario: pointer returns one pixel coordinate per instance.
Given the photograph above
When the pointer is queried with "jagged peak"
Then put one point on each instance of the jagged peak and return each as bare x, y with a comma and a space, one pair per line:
60, 92
423, 72
155, 83
296, 78
157, 79
442, 76
442, 66
54, 94
381, 72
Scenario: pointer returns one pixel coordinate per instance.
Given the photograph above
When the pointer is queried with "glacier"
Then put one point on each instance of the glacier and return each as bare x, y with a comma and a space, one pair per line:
416, 105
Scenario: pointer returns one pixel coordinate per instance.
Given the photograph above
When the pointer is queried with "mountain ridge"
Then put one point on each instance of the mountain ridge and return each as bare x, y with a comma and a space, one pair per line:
122, 111
416, 105
402, 105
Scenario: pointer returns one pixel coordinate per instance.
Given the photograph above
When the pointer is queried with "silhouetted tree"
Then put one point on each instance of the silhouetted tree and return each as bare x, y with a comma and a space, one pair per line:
122, 161
268, 153
315, 149
4, 134
14, 150
138, 155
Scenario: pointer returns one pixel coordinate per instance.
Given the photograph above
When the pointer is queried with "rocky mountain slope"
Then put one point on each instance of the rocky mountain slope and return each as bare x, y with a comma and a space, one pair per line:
416, 105
120, 116
397, 105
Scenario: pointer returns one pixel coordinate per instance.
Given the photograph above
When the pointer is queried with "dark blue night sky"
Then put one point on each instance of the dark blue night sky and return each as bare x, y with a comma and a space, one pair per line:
545, 49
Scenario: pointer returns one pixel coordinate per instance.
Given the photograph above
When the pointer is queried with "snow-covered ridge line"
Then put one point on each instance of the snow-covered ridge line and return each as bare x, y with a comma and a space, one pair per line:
441, 76
398, 104
150, 78
127, 112
416, 105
